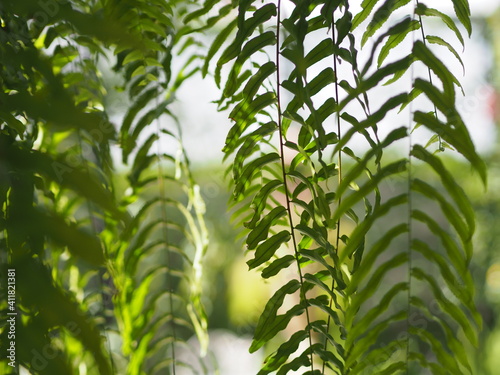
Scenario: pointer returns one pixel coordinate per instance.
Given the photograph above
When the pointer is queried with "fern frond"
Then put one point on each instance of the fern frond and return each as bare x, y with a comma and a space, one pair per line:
160, 256
292, 217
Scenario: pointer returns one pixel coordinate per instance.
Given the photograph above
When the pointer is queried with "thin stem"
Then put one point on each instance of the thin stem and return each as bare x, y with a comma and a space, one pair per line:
337, 241
428, 69
285, 183
102, 270
94, 231
161, 187
410, 209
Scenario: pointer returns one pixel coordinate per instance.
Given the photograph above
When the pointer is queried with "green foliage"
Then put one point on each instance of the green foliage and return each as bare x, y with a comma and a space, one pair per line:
81, 258
315, 188
301, 192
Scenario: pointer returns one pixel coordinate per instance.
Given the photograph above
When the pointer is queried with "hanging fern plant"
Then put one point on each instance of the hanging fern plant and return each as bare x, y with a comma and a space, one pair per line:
298, 115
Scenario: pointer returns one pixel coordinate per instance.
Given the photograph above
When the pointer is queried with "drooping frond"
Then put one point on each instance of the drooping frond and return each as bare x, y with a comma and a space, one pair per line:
304, 93
56, 187
60, 221
158, 262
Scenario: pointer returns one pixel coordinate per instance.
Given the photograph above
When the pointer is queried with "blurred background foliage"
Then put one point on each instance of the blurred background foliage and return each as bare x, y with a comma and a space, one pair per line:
70, 90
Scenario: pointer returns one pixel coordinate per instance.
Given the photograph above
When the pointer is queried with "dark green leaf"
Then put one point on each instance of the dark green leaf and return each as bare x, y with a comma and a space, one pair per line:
438, 40
260, 232
269, 322
267, 249
422, 10
381, 16
367, 7
277, 265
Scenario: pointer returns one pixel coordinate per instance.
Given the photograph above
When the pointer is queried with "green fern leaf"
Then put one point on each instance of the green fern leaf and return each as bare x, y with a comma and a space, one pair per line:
381, 16
268, 248
269, 322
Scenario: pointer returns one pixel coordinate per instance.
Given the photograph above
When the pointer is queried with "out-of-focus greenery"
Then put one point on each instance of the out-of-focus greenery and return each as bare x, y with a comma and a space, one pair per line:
108, 280
487, 208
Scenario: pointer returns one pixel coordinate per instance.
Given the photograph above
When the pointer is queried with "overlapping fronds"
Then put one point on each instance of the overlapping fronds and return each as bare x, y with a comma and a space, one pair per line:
55, 186
60, 222
158, 263
303, 86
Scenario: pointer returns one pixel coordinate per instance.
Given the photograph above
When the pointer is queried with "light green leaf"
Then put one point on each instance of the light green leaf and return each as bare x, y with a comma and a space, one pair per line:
447, 359
373, 183
456, 346
249, 49
397, 34
459, 261
360, 357
373, 284
367, 84
362, 325
367, 7
461, 285
464, 231
216, 45
256, 81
